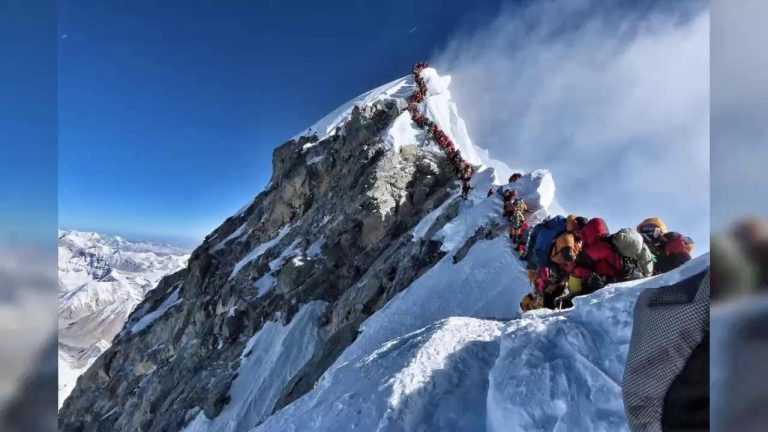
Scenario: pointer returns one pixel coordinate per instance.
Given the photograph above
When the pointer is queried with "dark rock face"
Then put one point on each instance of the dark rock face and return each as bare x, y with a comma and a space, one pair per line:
332, 225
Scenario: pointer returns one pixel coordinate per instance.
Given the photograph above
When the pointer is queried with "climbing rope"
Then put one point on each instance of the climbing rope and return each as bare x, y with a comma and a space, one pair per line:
462, 168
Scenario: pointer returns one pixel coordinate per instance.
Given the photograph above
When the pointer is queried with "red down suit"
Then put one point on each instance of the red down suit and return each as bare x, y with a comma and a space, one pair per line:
597, 254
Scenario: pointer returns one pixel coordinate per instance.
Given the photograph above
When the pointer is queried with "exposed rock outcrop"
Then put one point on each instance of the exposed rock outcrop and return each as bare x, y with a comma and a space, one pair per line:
332, 226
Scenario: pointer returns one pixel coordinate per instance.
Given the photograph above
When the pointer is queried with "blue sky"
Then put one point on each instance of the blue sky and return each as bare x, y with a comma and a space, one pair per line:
168, 114
28, 122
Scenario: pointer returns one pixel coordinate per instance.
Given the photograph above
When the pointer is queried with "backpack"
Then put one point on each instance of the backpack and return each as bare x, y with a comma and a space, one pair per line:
533, 233
636, 257
632, 269
519, 205
516, 219
516, 216
526, 233
545, 233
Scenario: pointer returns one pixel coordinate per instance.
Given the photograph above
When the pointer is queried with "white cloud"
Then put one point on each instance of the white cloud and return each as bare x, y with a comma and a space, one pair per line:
739, 107
616, 105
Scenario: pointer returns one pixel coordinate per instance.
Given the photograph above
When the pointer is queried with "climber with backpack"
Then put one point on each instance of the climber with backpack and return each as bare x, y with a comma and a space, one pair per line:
522, 240
454, 156
465, 188
465, 175
549, 284
565, 248
515, 177
541, 239
598, 263
669, 249
677, 251
507, 197
467, 171
548, 280
515, 211
637, 259
568, 244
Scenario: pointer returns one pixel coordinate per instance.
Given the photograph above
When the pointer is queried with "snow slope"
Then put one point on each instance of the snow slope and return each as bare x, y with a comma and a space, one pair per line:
563, 370
433, 379
399, 88
270, 359
416, 363
452, 352
101, 280
546, 370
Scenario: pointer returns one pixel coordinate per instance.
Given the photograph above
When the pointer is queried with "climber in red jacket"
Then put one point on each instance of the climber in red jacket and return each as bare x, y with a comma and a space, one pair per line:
455, 155
509, 195
676, 252
466, 171
598, 263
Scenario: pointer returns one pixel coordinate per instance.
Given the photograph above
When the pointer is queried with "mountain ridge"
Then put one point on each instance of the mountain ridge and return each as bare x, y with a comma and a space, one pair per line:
358, 277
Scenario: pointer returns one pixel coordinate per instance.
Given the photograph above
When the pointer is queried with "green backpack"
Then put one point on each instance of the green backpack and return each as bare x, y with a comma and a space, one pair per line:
637, 258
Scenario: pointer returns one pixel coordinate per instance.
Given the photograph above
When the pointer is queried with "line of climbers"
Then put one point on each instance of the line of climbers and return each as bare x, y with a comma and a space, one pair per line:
573, 256
515, 210
463, 169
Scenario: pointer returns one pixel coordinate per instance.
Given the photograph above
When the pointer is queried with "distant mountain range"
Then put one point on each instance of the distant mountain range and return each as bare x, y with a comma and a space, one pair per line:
101, 280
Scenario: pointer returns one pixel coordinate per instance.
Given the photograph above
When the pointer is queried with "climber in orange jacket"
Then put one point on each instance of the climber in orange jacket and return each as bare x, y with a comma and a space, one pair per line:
567, 245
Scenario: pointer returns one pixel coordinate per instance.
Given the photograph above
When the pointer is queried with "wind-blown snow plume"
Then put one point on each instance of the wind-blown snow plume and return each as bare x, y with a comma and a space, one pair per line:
615, 104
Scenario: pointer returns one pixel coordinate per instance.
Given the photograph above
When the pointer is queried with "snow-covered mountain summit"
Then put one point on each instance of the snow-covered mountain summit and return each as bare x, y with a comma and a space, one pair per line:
101, 280
360, 292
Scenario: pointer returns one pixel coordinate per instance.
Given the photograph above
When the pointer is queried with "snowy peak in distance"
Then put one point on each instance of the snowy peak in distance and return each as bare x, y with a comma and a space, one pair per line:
101, 280
94, 240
